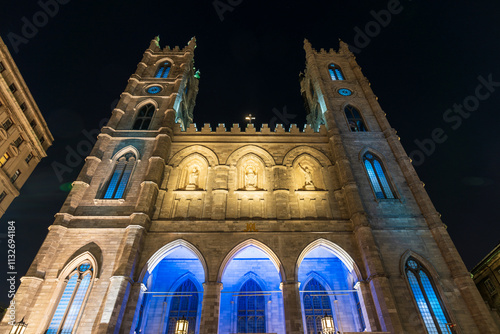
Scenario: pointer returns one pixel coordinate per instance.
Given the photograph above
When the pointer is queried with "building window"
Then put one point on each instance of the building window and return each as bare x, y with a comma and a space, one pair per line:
489, 286
251, 309
144, 117
72, 299
4, 159
28, 158
121, 175
15, 176
2, 68
316, 305
429, 304
185, 305
335, 72
18, 141
7, 124
23, 106
33, 123
163, 70
13, 88
42, 140
2, 196
376, 173
354, 119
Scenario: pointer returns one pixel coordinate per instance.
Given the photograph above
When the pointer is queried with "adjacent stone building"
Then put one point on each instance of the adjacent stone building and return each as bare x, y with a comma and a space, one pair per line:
486, 275
248, 230
24, 135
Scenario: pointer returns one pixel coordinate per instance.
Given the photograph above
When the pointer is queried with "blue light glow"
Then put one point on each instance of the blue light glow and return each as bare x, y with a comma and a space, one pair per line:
251, 309
163, 70
185, 306
63, 305
377, 177
76, 305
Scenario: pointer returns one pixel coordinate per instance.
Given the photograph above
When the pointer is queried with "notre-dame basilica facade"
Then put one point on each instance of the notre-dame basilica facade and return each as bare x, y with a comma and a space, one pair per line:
248, 230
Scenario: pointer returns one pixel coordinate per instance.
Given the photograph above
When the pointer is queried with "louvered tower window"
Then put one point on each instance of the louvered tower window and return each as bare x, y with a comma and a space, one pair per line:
144, 117
121, 176
163, 70
377, 176
354, 119
335, 72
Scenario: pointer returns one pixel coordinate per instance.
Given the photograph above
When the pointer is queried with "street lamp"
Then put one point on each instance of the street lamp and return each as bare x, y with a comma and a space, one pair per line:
327, 324
19, 327
181, 327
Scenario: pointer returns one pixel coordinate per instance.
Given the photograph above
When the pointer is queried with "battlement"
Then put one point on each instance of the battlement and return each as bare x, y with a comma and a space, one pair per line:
250, 129
155, 46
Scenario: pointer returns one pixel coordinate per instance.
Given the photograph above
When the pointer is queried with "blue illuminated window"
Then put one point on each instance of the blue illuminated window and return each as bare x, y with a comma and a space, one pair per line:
72, 299
184, 304
430, 306
360, 312
144, 117
377, 177
354, 119
316, 305
251, 309
163, 70
121, 176
335, 72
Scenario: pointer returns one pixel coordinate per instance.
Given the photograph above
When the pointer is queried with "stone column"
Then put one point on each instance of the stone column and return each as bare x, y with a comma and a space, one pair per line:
131, 316
209, 322
118, 291
293, 312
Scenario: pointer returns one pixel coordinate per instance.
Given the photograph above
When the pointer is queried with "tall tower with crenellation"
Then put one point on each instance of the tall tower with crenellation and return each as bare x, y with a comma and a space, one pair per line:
226, 230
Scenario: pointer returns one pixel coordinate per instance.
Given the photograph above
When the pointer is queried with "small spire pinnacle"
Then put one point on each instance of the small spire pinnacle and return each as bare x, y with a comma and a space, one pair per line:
307, 47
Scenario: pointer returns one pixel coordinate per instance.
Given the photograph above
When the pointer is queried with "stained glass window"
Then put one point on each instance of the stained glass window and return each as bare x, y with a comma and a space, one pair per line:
377, 177
251, 309
316, 305
72, 299
144, 117
430, 306
121, 176
354, 119
163, 70
335, 72
184, 304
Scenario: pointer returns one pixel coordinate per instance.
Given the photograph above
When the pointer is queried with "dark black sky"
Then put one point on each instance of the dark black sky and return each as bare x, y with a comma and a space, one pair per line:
427, 58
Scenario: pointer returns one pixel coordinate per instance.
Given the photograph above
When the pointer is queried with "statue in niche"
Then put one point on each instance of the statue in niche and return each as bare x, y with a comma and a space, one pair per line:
309, 184
193, 179
250, 178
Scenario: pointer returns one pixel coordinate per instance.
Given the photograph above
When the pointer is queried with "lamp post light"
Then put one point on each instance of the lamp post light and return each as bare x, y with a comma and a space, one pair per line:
19, 327
327, 324
181, 327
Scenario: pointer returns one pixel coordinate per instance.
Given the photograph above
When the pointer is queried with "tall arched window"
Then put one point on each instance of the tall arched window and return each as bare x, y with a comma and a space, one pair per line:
184, 304
429, 304
377, 176
251, 309
144, 117
354, 119
121, 175
163, 70
335, 72
69, 309
316, 305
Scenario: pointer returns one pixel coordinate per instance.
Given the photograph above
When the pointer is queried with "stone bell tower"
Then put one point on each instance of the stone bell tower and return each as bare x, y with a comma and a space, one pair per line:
248, 230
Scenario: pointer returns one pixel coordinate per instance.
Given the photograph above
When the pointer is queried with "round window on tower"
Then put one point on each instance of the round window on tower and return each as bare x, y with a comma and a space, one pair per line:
345, 92
153, 89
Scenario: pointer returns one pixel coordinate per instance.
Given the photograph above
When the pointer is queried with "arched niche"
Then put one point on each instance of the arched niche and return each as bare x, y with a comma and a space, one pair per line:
295, 152
250, 173
307, 173
193, 172
208, 154
264, 155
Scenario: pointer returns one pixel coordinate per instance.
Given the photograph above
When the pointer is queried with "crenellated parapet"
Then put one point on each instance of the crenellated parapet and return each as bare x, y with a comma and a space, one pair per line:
222, 129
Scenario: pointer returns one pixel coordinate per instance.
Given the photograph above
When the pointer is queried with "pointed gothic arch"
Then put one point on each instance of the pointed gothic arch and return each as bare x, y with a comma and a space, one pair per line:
296, 152
376, 172
118, 181
207, 153
263, 154
262, 247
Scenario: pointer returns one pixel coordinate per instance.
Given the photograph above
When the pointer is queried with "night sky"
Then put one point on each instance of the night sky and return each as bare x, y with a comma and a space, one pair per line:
425, 58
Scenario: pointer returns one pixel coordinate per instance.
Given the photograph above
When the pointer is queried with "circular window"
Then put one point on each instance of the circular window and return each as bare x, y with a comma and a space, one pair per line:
345, 92
153, 90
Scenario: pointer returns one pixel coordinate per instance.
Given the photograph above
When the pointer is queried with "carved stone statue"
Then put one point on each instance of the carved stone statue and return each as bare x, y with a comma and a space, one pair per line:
309, 184
193, 179
250, 179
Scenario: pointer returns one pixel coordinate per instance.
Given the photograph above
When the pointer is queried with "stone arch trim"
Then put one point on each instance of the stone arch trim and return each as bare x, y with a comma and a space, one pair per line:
208, 154
71, 264
239, 153
263, 247
296, 152
409, 253
162, 60
367, 149
161, 253
125, 150
142, 103
338, 251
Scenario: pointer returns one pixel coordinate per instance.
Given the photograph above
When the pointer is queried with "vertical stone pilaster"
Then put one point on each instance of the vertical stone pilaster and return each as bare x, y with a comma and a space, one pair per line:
114, 306
132, 313
209, 322
293, 312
